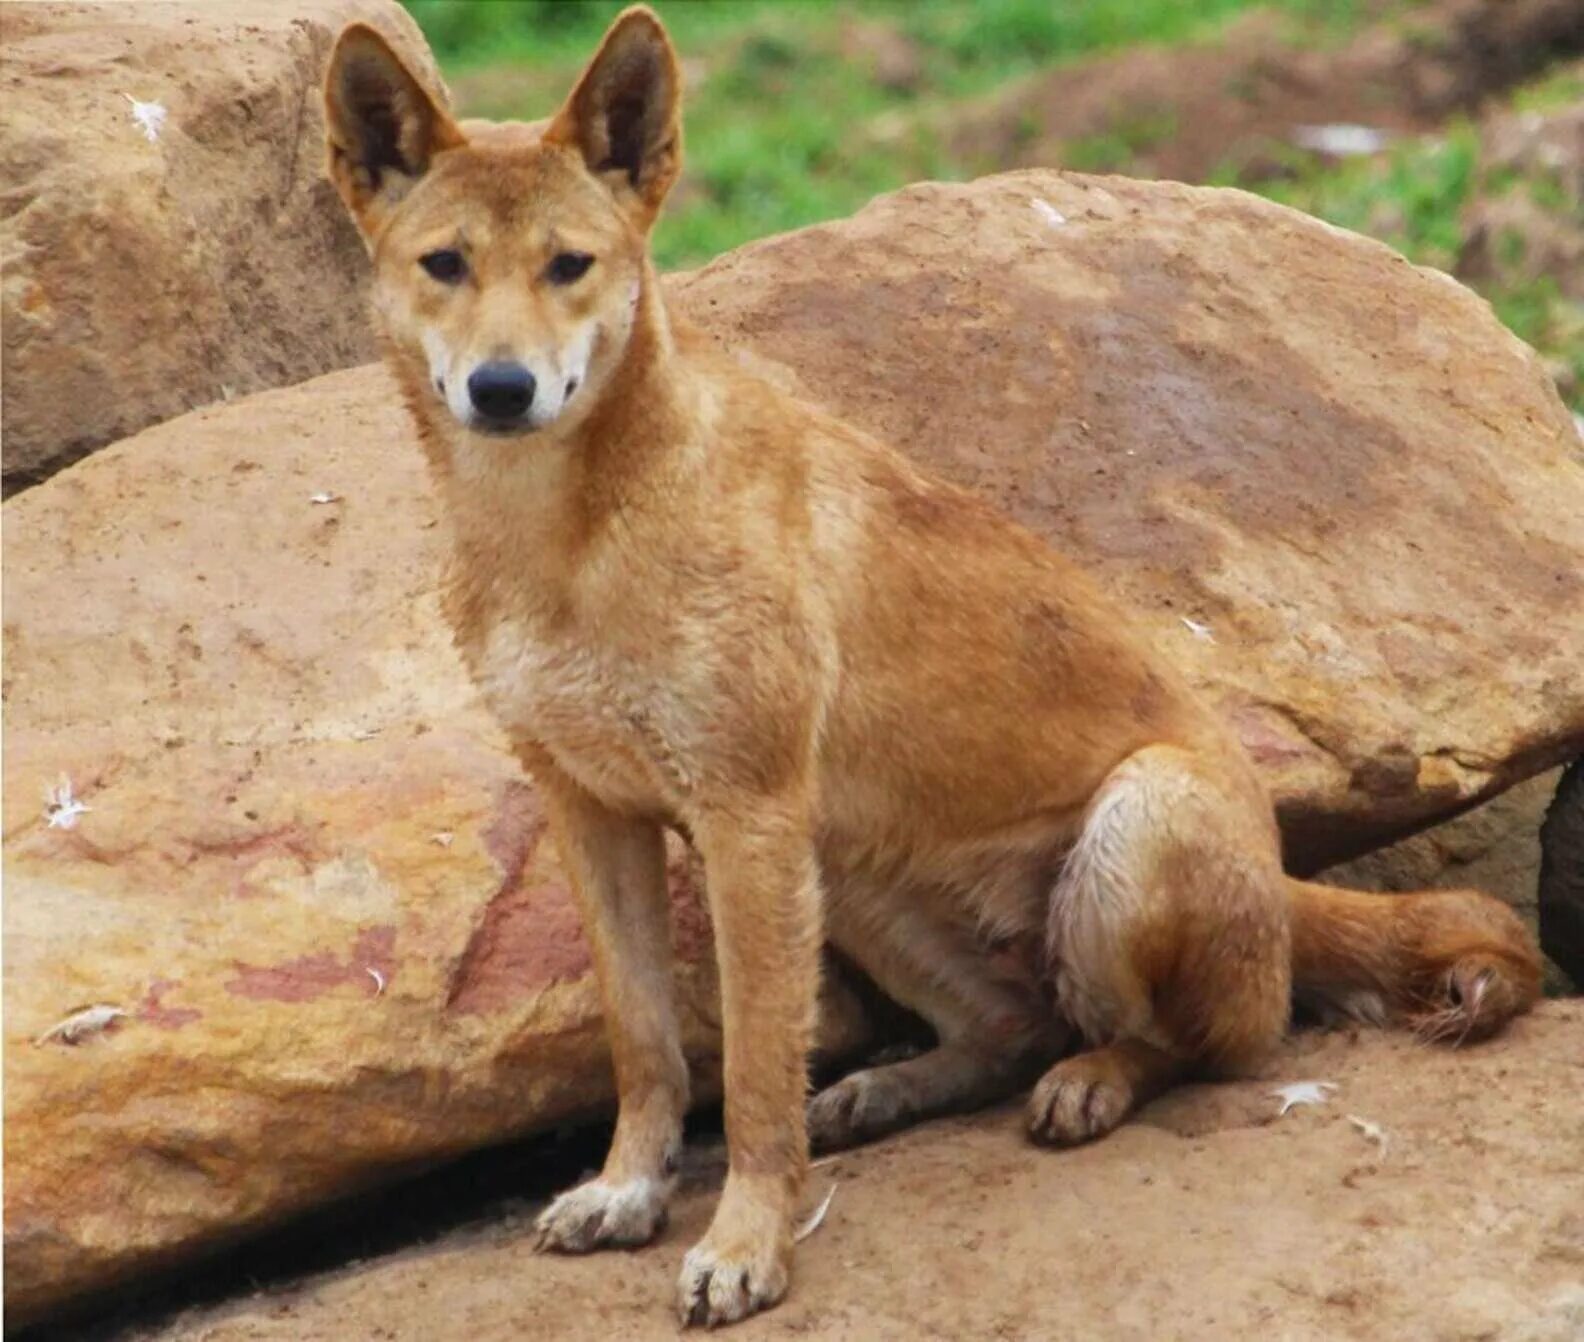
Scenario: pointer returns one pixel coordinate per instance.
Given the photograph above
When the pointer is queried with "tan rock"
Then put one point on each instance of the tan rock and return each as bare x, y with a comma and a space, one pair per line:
153, 266
1343, 496
317, 885
1494, 848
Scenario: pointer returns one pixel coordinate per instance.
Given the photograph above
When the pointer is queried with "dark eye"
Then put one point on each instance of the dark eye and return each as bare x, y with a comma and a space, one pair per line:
569, 267
446, 265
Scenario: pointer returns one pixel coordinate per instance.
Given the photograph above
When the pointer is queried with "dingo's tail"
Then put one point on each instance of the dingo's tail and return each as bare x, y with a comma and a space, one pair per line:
1452, 965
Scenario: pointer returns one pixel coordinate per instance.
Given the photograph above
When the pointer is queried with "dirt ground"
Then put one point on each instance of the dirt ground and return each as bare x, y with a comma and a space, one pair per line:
1208, 1217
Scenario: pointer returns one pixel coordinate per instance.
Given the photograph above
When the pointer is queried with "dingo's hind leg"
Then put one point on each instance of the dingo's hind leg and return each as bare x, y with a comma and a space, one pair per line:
1168, 939
991, 1030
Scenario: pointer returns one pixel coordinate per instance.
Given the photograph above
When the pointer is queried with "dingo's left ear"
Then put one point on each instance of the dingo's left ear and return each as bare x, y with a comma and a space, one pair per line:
625, 115
381, 124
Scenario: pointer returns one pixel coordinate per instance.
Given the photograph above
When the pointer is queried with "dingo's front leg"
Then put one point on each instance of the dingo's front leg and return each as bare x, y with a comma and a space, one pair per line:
764, 897
617, 865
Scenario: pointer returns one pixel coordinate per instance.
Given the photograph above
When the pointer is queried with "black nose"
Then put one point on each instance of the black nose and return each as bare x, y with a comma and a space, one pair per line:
501, 390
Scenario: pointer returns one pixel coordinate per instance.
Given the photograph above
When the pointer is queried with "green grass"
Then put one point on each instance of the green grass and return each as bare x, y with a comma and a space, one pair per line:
1412, 196
1127, 138
983, 36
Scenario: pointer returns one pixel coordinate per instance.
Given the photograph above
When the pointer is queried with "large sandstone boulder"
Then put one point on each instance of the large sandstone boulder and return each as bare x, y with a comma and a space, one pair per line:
159, 264
320, 890
1342, 495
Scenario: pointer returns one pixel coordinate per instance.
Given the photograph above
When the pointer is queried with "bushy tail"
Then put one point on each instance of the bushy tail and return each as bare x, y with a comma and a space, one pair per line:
1452, 965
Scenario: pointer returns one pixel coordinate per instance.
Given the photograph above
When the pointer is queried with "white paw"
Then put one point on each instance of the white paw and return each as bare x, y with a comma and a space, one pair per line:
723, 1286
597, 1214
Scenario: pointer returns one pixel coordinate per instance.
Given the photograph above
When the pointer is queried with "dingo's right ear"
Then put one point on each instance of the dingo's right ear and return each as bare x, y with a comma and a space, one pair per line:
382, 126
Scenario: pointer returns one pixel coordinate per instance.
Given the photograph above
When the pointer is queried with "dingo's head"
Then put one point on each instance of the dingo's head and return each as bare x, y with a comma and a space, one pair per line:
508, 260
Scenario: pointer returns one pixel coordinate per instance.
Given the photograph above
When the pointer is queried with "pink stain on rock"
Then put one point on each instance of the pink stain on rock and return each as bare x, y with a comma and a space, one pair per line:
243, 852
515, 832
310, 976
529, 938
1266, 741
532, 935
153, 1010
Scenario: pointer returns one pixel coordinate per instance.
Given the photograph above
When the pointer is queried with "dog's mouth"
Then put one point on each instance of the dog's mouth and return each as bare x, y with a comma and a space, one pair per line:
517, 429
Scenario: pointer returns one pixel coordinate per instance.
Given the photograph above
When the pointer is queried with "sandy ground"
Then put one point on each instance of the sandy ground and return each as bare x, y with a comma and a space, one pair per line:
1207, 1217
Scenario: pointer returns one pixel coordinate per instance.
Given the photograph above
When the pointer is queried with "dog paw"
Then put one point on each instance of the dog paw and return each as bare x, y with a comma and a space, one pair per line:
857, 1109
598, 1215
1076, 1102
721, 1285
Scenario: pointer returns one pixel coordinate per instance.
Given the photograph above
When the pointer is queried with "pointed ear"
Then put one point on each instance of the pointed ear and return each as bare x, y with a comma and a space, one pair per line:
625, 115
381, 124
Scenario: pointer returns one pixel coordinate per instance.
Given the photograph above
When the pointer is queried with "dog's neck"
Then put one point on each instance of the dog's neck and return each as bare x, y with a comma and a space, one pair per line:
642, 407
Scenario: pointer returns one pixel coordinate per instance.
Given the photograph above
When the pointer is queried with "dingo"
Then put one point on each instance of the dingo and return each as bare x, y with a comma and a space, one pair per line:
885, 715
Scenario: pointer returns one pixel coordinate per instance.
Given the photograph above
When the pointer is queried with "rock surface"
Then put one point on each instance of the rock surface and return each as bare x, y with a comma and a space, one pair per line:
1205, 1217
148, 271
318, 886
1342, 495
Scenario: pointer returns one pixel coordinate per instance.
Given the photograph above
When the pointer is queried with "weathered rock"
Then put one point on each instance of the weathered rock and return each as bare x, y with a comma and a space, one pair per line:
1342, 495
310, 872
148, 272
1494, 848
316, 882
1562, 875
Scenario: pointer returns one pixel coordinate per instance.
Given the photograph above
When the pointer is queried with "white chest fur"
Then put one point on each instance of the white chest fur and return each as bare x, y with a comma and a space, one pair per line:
610, 722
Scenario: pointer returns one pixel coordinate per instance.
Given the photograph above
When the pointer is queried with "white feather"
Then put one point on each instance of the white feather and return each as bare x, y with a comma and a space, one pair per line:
1302, 1092
61, 808
83, 1024
815, 1220
149, 116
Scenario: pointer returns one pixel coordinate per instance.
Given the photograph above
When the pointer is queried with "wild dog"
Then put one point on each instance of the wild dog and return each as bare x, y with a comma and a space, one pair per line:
886, 716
